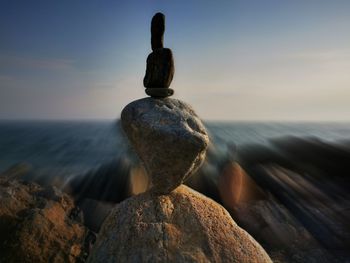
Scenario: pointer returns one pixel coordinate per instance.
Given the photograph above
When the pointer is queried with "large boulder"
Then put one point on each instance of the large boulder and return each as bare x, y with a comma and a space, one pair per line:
183, 226
168, 137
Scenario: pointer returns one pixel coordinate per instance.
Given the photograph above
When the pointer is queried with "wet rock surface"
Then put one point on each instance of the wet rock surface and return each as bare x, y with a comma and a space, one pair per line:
168, 137
183, 226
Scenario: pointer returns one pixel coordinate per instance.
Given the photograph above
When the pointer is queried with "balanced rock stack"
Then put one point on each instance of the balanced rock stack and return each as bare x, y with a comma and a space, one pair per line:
160, 63
170, 222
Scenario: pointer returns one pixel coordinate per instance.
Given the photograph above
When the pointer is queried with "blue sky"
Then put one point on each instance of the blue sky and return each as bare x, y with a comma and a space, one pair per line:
235, 60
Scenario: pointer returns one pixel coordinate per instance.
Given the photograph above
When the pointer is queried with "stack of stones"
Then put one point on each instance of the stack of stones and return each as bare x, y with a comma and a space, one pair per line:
167, 135
170, 222
160, 63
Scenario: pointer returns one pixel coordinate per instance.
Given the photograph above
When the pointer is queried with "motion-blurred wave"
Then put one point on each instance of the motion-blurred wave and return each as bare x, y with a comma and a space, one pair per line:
287, 184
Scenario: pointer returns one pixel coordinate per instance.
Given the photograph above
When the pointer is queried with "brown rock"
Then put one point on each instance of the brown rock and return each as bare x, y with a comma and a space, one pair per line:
183, 226
168, 137
94, 212
36, 224
160, 69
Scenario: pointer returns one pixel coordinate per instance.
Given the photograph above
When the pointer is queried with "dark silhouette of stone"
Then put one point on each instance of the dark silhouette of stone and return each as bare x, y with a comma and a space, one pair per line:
157, 31
160, 63
159, 93
160, 69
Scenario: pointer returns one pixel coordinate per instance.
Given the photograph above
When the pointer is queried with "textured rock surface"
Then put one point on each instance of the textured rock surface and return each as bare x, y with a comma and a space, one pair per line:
183, 226
168, 137
159, 69
37, 224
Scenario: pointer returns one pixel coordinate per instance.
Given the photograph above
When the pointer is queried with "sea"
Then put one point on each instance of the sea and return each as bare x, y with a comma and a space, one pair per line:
75, 147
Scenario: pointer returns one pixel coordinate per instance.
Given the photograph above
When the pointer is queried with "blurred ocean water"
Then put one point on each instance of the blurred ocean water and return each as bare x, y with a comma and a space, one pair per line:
293, 195
77, 146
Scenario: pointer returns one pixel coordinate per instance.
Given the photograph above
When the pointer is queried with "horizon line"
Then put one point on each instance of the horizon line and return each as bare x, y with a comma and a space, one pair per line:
204, 120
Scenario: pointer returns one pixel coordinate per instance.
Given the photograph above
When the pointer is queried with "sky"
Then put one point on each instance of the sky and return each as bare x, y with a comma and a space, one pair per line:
239, 60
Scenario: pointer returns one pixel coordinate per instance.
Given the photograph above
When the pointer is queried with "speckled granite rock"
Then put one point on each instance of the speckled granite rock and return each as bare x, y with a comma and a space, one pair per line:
168, 137
183, 226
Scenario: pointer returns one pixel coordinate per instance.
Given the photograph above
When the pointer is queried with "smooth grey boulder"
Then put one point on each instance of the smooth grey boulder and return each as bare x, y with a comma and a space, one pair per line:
168, 137
183, 226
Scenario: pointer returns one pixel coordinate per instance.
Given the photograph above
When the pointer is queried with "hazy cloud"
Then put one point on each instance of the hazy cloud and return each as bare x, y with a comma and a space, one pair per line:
321, 55
35, 63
